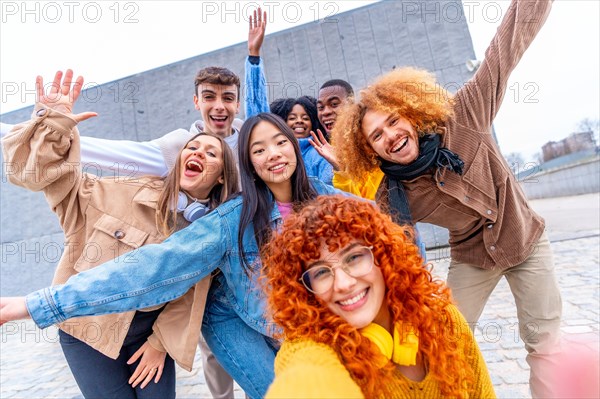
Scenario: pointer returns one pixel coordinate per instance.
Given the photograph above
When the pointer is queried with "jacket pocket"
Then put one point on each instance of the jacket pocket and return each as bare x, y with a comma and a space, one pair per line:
457, 222
486, 172
110, 239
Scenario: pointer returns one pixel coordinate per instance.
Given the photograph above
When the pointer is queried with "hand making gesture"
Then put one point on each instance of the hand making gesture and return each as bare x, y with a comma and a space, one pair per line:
62, 96
256, 33
323, 148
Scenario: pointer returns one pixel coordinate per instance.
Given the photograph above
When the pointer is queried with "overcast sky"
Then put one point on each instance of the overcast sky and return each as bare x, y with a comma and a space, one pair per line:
554, 87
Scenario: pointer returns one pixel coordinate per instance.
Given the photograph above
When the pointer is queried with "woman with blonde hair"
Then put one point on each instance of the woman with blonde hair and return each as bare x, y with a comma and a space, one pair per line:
129, 354
442, 166
359, 313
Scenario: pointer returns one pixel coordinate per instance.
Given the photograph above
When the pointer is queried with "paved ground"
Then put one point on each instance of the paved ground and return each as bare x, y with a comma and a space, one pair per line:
32, 365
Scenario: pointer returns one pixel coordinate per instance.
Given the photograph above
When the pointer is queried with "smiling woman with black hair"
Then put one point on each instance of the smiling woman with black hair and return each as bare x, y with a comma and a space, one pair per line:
300, 114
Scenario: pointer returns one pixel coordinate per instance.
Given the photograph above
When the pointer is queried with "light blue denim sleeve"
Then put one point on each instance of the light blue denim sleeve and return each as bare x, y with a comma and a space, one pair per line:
148, 276
421, 244
256, 99
325, 172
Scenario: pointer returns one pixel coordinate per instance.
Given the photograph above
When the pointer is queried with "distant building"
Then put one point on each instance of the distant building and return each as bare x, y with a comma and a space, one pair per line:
570, 167
576, 142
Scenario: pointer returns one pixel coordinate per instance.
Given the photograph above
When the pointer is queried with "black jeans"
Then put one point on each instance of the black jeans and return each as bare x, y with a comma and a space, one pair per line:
100, 377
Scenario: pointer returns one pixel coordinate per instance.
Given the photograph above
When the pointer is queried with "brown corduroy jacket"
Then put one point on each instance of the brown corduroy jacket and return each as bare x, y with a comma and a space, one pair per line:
101, 219
485, 210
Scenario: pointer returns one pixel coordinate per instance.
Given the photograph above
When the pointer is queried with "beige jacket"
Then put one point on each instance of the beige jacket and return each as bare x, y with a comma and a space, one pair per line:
101, 219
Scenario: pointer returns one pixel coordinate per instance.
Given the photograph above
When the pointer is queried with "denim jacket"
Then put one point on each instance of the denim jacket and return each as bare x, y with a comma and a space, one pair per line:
314, 163
158, 273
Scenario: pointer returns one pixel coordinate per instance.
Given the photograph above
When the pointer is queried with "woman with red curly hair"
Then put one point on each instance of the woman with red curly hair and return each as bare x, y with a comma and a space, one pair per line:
359, 313
443, 166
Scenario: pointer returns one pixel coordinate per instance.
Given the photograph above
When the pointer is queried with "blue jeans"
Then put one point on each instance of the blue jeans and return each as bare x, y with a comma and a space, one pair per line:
100, 377
247, 355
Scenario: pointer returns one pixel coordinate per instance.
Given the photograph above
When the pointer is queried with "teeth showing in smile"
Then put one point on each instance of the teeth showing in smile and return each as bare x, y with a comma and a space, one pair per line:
299, 130
194, 165
400, 145
277, 167
219, 118
353, 300
328, 125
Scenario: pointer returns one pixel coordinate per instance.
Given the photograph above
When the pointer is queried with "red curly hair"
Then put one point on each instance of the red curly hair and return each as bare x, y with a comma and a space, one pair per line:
412, 295
407, 92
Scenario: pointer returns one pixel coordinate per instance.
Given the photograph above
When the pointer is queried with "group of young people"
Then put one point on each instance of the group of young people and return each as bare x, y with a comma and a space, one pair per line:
299, 288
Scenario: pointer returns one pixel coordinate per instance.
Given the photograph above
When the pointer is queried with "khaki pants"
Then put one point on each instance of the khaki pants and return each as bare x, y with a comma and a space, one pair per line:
539, 308
219, 383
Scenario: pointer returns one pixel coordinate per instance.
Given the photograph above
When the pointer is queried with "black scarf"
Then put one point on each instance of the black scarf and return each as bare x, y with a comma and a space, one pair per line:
431, 155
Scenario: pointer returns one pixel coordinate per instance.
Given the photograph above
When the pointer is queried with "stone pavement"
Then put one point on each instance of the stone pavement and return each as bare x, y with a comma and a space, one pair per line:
32, 364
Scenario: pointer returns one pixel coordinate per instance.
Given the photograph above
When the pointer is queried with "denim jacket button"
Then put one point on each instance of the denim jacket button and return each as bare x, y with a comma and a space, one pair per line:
119, 234
489, 212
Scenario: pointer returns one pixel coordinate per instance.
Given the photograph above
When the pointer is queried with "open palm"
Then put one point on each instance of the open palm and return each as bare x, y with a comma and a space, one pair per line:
61, 95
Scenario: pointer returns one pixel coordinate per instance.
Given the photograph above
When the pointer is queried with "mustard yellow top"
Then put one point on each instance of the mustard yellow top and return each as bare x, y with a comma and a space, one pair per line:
366, 189
307, 369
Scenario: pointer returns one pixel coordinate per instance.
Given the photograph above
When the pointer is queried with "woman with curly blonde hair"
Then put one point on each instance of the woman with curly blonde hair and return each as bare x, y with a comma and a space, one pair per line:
360, 315
442, 166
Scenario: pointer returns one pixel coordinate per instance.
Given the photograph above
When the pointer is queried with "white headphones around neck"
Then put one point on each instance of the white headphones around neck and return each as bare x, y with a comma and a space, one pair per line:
193, 211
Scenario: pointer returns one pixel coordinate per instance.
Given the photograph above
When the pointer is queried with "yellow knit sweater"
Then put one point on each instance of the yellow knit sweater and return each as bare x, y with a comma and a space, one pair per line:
307, 369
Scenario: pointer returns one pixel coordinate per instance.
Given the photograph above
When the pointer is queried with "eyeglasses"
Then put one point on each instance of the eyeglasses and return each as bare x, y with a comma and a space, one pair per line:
357, 262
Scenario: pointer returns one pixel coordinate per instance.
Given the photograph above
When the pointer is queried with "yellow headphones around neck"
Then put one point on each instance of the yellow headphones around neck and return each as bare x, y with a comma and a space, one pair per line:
402, 353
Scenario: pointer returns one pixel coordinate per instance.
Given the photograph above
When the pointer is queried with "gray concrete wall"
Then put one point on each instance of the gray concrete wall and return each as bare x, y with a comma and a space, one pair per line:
575, 179
356, 46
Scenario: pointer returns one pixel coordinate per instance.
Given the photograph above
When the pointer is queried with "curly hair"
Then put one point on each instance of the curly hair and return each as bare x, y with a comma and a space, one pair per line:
282, 107
412, 295
408, 92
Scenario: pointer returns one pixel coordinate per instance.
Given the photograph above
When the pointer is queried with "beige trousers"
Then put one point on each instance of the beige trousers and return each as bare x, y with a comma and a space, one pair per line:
539, 307
219, 383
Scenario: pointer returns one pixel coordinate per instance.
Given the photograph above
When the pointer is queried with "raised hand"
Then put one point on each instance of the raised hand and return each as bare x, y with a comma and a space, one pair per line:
256, 33
324, 148
151, 365
62, 96
13, 308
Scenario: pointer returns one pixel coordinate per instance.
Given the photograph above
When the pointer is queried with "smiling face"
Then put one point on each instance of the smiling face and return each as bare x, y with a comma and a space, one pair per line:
299, 121
358, 300
273, 158
201, 166
392, 137
331, 98
218, 105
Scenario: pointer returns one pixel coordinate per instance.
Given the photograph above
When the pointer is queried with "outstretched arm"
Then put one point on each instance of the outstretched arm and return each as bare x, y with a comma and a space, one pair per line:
478, 102
256, 99
149, 276
102, 157
307, 369
13, 308
43, 154
116, 158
